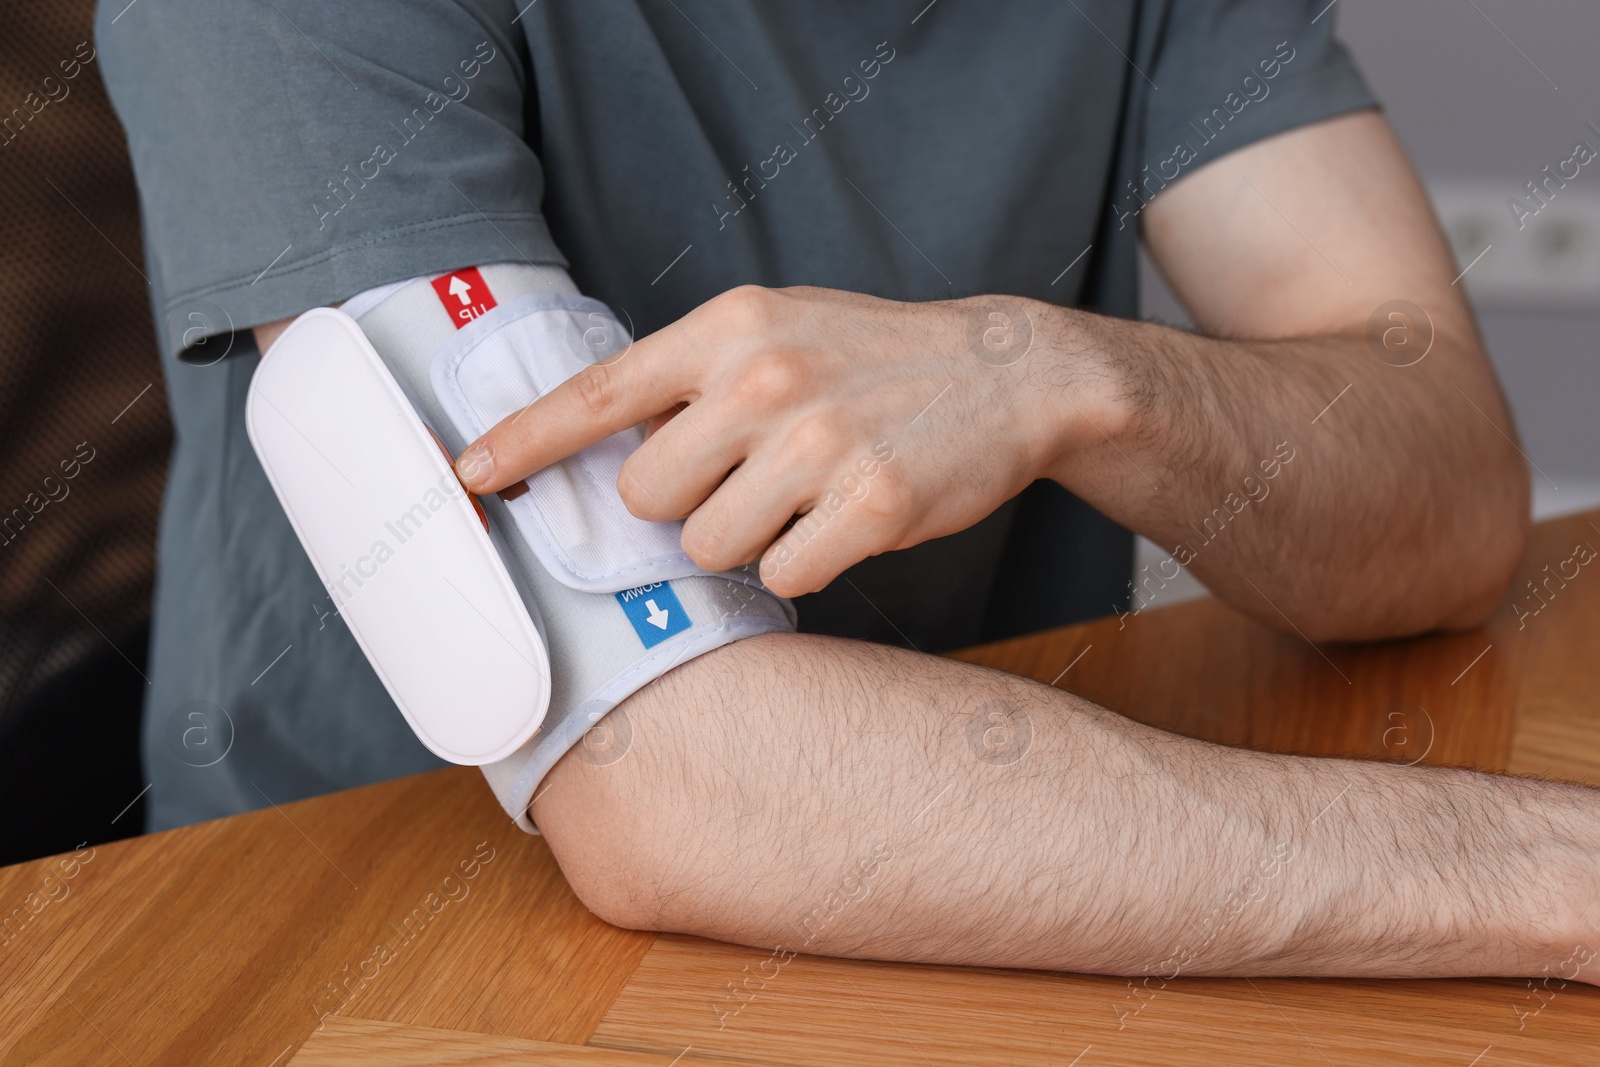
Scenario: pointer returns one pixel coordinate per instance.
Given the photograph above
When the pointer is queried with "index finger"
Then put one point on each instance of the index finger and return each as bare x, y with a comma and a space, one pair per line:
593, 404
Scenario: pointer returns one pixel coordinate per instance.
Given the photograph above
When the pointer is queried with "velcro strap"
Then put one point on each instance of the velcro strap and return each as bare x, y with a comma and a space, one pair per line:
570, 515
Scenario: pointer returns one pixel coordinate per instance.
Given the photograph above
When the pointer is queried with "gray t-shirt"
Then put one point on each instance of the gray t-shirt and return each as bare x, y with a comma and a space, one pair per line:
293, 153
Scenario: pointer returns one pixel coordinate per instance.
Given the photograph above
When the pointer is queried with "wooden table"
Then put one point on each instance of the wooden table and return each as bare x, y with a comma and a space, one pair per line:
230, 942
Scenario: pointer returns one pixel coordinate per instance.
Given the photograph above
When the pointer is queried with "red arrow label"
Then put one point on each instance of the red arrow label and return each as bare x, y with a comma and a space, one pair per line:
464, 294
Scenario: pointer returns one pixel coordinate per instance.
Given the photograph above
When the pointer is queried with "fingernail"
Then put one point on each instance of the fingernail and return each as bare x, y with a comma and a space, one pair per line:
476, 465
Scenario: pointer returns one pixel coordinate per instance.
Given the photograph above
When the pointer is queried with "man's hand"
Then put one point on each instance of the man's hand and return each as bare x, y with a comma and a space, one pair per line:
879, 424
1339, 372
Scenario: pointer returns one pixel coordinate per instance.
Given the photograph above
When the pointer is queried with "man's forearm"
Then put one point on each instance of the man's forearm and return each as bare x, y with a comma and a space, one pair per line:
834, 797
1308, 482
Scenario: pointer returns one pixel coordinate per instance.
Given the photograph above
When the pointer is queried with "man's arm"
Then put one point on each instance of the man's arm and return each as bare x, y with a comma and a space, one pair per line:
1404, 506
833, 797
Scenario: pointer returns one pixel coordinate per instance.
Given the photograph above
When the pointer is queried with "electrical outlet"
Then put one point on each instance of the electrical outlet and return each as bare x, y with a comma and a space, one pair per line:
1552, 261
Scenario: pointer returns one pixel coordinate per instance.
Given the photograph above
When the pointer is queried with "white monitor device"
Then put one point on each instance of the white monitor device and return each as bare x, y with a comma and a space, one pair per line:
402, 549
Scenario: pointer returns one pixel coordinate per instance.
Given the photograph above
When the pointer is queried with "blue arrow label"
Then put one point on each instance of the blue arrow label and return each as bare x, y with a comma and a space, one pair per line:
654, 611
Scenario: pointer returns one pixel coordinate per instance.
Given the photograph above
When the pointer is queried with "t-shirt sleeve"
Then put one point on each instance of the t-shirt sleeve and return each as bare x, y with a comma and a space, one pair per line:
291, 153
1227, 73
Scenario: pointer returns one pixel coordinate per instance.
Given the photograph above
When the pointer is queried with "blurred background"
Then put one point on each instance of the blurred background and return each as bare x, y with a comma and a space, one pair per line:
1485, 94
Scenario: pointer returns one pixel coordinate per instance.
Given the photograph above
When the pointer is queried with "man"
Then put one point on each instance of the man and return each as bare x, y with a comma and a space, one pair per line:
1000, 183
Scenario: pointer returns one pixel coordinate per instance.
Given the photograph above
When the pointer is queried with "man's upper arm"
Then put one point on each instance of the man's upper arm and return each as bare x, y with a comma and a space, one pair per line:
1269, 190
1307, 234
292, 153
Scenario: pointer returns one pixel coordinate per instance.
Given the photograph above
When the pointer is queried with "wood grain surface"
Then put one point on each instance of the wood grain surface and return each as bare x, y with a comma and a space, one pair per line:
408, 923
365, 1043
